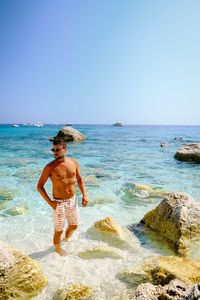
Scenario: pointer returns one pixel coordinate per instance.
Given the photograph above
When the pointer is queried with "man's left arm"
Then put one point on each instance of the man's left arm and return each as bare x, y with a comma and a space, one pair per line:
81, 185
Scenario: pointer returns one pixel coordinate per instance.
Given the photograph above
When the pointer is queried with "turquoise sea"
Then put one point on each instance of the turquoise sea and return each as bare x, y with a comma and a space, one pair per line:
112, 160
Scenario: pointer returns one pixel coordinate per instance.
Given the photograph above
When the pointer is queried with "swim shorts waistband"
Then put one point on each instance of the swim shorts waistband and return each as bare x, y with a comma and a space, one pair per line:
64, 200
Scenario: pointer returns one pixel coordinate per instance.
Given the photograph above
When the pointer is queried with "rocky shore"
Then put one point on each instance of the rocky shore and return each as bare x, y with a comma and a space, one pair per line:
176, 220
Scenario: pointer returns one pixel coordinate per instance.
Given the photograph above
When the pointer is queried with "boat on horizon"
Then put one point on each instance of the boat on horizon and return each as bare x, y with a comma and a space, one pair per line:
15, 125
38, 124
68, 124
119, 124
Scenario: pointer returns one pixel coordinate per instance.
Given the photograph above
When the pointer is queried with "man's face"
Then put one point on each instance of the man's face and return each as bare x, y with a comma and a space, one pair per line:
58, 151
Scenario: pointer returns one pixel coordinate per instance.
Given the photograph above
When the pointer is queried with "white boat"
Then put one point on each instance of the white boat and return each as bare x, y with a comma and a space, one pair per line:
119, 124
38, 124
15, 125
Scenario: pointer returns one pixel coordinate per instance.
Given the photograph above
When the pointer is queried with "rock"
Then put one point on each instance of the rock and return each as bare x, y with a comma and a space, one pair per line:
148, 291
174, 290
90, 178
100, 199
68, 134
194, 292
152, 190
162, 269
176, 218
110, 232
6, 195
101, 252
14, 211
20, 276
189, 152
74, 292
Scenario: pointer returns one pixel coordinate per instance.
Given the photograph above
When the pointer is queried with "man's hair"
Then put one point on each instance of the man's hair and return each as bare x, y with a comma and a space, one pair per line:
60, 142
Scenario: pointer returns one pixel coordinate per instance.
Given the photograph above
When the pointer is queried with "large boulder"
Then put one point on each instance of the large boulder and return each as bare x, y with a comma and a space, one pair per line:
189, 152
20, 276
161, 270
101, 252
110, 232
75, 292
174, 290
177, 219
68, 134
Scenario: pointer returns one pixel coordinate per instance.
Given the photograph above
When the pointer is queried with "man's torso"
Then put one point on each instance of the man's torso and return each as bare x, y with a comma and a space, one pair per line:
63, 177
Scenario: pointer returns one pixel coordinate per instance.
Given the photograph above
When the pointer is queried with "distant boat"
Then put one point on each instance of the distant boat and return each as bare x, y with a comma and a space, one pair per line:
27, 124
15, 125
68, 124
119, 124
38, 124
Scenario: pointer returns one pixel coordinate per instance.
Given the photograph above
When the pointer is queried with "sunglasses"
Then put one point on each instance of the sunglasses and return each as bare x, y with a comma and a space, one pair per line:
56, 150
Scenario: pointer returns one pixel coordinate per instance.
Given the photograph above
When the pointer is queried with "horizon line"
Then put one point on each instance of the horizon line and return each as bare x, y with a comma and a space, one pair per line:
123, 124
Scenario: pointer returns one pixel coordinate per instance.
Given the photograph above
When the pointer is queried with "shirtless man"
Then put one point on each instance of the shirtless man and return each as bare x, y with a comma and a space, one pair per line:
63, 172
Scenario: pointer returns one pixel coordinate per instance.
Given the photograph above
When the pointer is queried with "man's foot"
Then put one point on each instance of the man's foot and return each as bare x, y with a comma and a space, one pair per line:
61, 252
65, 239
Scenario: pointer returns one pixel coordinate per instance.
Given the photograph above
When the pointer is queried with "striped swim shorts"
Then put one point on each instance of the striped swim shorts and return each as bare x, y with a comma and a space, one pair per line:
66, 209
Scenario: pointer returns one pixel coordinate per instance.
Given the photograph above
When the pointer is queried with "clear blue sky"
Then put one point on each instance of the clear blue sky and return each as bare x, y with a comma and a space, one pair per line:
100, 61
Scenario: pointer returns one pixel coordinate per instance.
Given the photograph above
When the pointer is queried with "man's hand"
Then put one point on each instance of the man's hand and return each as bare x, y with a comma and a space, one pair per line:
53, 205
84, 201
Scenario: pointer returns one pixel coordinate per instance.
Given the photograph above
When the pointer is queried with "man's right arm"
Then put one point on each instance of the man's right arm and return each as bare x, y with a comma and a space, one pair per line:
40, 187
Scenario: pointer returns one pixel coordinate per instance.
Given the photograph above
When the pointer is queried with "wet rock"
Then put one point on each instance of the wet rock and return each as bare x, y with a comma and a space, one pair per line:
162, 269
189, 152
194, 292
93, 199
110, 232
20, 276
175, 290
90, 178
6, 195
152, 190
18, 210
148, 291
176, 218
101, 252
68, 134
75, 292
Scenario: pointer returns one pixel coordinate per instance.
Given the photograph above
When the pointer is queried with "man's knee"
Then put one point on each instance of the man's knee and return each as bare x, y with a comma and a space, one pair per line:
73, 227
58, 233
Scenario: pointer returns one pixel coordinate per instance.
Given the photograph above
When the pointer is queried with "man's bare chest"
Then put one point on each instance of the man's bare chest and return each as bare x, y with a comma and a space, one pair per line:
63, 172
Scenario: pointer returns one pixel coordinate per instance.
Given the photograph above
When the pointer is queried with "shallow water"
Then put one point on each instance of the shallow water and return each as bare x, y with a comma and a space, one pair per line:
111, 161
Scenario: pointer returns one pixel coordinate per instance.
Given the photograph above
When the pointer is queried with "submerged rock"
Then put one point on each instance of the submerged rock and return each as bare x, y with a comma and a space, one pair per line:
110, 232
101, 252
20, 276
68, 134
6, 195
18, 210
90, 178
189, 152
75, 292
176, 218
152, 190
101, 199
162, 269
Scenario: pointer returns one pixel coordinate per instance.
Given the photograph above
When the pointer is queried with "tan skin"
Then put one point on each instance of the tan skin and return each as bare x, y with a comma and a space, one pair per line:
63, 172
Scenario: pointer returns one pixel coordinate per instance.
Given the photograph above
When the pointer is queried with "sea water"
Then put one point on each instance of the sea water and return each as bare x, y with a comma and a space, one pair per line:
112, 160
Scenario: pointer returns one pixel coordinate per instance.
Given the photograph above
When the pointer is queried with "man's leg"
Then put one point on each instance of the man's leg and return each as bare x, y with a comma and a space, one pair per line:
59, 221
56, 241
69, 231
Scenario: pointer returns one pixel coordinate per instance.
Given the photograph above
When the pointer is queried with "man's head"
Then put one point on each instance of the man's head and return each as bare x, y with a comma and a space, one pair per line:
59, 149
